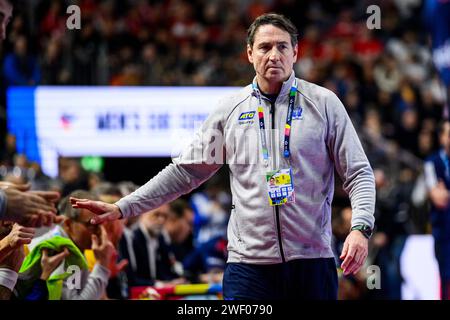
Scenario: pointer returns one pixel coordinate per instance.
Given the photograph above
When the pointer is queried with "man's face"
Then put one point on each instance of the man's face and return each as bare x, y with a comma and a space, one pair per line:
6, 10
179, 228
272, 54
80, 230
445, 137
154, 220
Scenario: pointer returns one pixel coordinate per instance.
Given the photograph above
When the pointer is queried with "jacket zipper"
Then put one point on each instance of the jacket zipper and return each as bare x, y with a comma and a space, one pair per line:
277, 209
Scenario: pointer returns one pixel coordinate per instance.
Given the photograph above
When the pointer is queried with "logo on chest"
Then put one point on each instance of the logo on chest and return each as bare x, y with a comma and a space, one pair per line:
297, 113
246, 117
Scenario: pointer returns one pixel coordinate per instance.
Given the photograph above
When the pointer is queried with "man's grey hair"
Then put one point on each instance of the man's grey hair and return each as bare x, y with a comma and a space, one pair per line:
65, 207
275, 19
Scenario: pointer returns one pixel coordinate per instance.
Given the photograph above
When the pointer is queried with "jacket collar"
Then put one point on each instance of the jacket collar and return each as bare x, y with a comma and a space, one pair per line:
285, 88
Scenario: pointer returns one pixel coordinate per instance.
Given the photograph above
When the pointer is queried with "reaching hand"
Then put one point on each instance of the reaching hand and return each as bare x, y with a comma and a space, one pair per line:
104, 211
440, 196
103, 249
354, 252
31, 208
20, 187
19, 236
116, 267
50, 263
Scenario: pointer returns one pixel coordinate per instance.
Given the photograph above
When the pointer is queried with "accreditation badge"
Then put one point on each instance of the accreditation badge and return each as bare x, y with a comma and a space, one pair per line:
280, 186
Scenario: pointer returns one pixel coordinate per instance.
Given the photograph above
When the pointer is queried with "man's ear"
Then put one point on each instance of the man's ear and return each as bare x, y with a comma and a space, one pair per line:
249, 53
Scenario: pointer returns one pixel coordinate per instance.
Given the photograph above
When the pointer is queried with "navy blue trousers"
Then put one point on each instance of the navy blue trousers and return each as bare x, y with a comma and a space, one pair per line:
307, 279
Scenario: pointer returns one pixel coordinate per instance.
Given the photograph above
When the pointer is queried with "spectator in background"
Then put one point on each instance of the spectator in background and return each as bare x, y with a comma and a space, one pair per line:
17, 236
9, 268
12, 239
20, 68
53, 64
148, 253
351, 287
178, 229
206, 263
54, 20
210, 214
77, 235
72, 176
437, 172
6, 10
118, 284
391, 215
12, 253
29, 208
386, 74
85, 53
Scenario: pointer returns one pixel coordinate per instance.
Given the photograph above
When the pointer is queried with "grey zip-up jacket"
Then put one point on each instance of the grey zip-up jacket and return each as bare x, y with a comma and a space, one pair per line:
322, 140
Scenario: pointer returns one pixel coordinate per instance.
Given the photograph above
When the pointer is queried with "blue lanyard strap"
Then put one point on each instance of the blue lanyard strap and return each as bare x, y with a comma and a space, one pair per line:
287, 128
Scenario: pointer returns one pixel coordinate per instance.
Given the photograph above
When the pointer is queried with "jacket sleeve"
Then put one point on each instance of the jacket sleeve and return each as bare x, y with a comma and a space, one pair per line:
351, 162
203, 157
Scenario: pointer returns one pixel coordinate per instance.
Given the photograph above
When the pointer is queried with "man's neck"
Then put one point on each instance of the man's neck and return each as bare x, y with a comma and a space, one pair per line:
269, 88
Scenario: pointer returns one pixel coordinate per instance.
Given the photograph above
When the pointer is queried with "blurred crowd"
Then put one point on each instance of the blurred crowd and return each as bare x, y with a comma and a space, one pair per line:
385, 78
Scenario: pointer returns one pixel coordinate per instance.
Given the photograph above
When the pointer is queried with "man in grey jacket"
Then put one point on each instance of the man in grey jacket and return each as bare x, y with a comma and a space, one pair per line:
282, 139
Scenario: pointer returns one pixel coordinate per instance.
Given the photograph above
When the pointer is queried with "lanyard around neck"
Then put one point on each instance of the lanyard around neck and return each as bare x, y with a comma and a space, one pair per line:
287, 127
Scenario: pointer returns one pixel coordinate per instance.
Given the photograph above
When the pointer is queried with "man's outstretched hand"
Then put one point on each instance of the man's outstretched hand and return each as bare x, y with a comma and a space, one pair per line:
103, 211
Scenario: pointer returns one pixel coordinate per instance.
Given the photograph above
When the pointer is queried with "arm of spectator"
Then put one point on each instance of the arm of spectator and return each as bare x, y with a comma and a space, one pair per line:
39, 290
116, 267
94, 287
439, 196
30, 209
50, 263
98, 278
18, 236
20, 187
437, 191
9, 269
